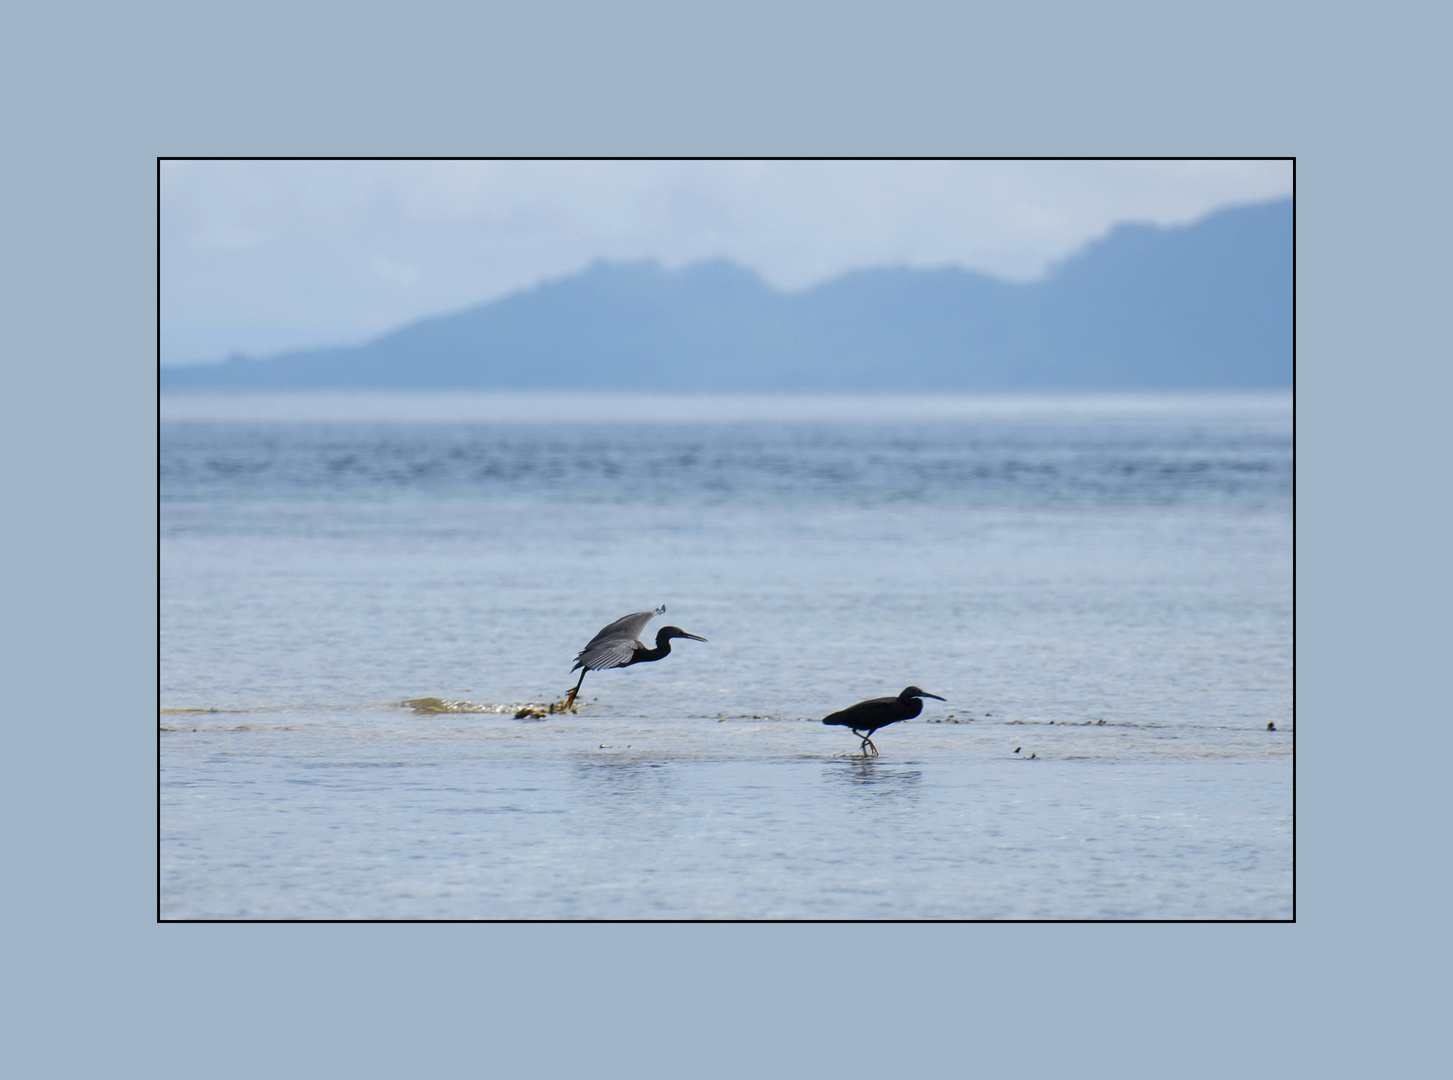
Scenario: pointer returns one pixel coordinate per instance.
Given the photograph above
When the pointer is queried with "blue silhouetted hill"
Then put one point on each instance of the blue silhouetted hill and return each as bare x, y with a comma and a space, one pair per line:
1207, 305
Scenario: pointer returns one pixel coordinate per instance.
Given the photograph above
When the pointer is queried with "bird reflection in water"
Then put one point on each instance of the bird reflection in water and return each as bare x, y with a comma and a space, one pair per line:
876, 779
609, 776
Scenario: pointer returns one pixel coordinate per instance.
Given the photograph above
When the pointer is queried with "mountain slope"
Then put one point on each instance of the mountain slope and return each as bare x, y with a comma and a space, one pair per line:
1207, 305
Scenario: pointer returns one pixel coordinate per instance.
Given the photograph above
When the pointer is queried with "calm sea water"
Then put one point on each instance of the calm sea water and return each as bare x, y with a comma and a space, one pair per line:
1100, 587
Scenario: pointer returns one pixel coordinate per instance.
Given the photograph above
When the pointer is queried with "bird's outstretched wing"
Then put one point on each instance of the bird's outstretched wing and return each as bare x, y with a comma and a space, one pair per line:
613, 646
607, 655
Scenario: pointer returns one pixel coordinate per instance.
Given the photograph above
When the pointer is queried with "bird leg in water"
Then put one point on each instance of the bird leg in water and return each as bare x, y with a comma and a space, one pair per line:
866, 743
570, 698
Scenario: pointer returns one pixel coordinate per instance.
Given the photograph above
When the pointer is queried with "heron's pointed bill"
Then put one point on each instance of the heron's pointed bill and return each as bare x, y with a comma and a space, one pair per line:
693, 637
934, 696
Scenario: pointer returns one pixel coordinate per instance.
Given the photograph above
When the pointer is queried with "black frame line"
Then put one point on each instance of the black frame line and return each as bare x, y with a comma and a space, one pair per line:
849, 922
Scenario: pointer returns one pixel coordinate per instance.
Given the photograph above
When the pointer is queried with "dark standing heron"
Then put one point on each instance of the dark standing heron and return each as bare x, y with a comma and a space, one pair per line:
618, 645
866, 717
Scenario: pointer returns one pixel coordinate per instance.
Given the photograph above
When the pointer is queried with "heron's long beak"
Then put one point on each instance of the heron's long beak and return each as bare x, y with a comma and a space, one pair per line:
934, 696
693, 637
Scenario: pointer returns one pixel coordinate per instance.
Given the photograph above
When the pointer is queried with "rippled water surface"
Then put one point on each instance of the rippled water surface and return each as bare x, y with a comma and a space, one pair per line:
1101, 588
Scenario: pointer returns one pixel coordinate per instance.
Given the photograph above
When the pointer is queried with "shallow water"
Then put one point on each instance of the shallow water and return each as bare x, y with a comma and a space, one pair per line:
1045, 564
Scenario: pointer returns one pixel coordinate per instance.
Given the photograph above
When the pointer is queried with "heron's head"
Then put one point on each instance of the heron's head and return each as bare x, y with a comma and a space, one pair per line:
668, 632
913, 691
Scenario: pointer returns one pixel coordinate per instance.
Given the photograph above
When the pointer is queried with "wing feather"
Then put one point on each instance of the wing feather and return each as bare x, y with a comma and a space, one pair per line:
614, 645
611, 654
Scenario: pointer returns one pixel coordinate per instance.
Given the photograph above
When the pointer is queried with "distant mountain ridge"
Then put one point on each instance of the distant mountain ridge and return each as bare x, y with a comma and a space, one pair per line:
1207, 305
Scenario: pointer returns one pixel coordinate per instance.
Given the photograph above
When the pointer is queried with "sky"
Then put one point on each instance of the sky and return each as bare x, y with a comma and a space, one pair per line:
262, 256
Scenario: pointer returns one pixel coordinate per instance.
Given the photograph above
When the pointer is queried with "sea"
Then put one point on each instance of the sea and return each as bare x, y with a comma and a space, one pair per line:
370, 602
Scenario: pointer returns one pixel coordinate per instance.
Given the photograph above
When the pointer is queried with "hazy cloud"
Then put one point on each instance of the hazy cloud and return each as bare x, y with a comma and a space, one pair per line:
399, 273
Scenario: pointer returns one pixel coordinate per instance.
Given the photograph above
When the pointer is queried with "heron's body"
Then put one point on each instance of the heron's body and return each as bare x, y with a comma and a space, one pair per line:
619, 645
866, 717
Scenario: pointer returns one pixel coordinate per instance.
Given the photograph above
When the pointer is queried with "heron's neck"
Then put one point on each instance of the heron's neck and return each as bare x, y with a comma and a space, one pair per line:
645, 656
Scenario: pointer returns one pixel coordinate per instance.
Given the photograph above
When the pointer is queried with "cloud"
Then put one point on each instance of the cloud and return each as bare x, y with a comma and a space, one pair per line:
399, 273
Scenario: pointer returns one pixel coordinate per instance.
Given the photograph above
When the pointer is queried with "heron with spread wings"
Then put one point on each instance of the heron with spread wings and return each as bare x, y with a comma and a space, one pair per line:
619, 645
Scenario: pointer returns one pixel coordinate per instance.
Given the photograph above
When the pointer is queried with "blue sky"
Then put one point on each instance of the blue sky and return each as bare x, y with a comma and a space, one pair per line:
259, 257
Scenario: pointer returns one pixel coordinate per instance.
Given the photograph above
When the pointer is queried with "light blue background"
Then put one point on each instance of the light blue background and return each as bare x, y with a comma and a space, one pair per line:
93, 93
